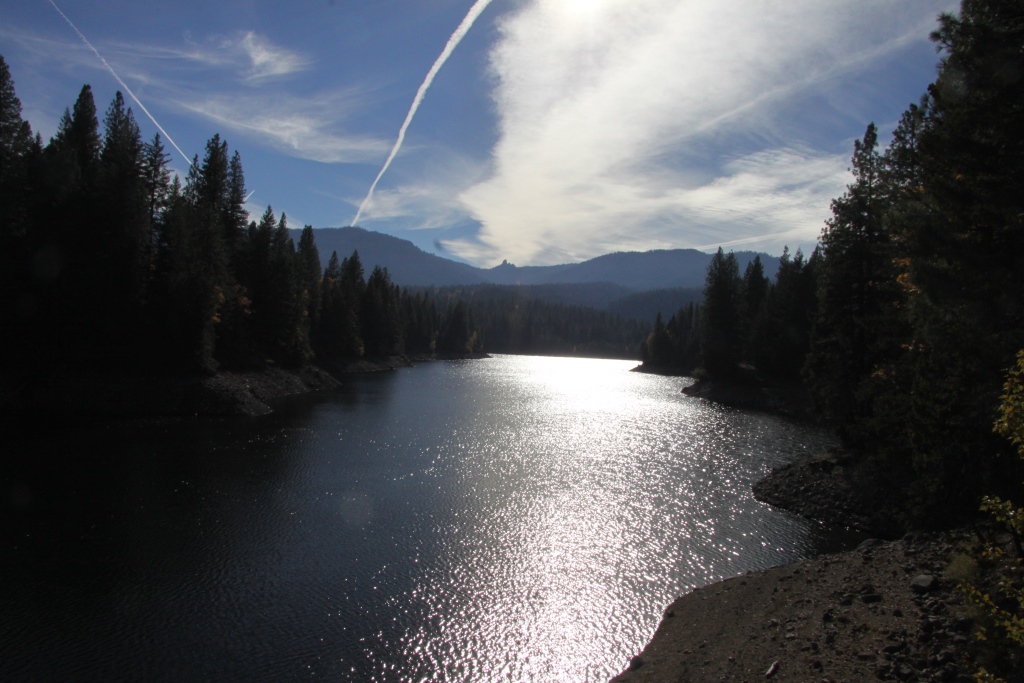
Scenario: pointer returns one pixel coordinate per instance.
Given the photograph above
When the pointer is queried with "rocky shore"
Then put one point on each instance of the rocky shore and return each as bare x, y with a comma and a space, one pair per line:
826, 487
224, 393
885, 611
888, 610
790, 399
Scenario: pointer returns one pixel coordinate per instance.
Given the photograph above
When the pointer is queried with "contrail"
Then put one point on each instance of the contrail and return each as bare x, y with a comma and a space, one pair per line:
123, 84
249, 195
746, 240
460, 32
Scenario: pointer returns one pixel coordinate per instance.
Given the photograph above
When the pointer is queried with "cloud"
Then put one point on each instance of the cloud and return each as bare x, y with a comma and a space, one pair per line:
601, 104
303, 126
766, 198
425, 200
251, 56
306, 128
763, 200
265, 59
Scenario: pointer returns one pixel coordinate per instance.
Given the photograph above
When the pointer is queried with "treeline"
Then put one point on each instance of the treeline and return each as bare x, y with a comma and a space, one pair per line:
921, 298
906, 319
110, 263
743, 322
513, 319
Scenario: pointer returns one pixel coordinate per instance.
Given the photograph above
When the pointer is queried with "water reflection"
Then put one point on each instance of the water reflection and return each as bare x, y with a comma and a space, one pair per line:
514, 519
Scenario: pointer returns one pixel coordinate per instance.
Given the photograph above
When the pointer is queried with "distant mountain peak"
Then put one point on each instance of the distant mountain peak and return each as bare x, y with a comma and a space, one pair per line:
637, 271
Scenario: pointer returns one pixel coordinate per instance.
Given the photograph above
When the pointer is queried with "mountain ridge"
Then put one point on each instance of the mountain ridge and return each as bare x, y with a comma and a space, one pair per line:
410, 266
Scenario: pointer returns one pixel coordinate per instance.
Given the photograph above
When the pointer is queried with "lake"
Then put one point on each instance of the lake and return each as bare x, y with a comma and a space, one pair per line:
507, 519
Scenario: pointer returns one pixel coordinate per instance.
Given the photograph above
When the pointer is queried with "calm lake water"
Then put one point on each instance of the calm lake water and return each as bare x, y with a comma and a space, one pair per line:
509, 519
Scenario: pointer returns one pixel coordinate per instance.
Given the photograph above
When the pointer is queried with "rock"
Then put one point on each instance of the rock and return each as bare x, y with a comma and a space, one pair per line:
924, 583
772, 669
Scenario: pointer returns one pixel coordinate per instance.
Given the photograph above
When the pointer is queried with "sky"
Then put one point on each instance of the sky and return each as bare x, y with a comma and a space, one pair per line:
552, 131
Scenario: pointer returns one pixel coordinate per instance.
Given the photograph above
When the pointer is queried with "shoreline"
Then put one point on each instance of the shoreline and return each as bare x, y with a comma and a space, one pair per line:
887, 610
225, 393
884, 611
782, 398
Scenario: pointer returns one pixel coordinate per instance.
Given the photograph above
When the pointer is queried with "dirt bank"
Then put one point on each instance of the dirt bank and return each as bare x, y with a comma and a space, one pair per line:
885, 611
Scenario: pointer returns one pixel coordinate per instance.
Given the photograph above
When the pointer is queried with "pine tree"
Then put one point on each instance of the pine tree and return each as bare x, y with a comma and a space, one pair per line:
657, 350
456, 336
720, 321
339, 331
380, 315
15, 146
848, 306
122, 189
754, 294
234, 216
964, 245
15, 160
156, 178
78, 135
309, 277
290, 320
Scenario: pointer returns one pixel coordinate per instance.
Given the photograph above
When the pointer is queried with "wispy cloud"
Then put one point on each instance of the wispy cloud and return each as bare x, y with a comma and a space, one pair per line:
300, 125
601, 103
762, 200
425, 201
266, 59
306, 128
251, 56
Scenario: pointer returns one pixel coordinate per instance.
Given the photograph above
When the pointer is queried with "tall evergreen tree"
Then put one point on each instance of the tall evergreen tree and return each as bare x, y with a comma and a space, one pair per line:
15, 145
78, 135
965, 246
380, 315
658, 349
309, 277
848, 306
754, 294
720, 322
234, 216
339, 328
291, 323
15, 149
123, 196
156, 177
457, 335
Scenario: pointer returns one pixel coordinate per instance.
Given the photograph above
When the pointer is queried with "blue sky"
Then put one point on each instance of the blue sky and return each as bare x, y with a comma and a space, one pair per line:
556, 131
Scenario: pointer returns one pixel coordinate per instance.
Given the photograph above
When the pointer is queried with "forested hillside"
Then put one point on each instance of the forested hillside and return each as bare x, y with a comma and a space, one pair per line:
905, 321
112, 264
522, 320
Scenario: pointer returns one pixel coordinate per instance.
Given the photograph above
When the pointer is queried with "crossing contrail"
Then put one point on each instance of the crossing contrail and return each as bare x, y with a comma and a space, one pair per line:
460, 32
123, 84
